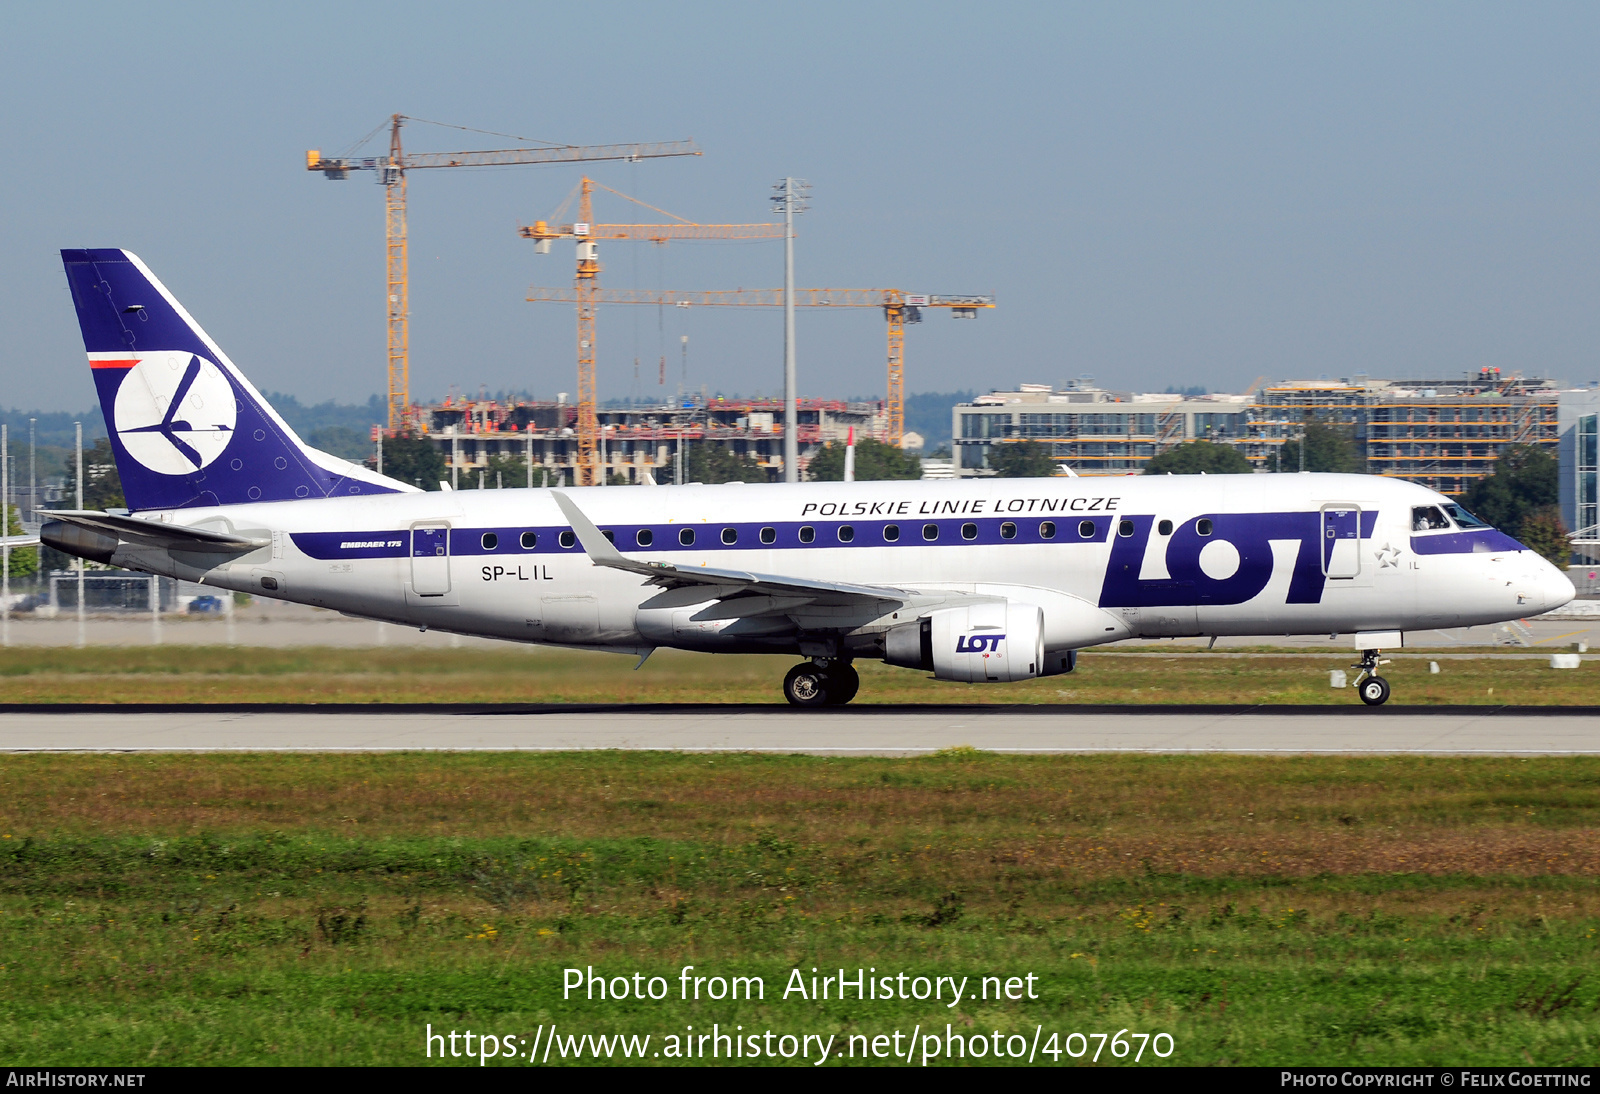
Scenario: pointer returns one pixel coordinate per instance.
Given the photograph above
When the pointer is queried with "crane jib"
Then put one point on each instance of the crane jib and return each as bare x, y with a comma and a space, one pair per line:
391, 171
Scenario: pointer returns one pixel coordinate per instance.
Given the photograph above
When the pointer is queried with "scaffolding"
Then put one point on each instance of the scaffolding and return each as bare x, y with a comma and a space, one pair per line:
1448, 443
638, 443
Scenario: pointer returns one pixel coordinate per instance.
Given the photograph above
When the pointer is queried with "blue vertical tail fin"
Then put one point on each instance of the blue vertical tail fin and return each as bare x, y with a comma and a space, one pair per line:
186, 427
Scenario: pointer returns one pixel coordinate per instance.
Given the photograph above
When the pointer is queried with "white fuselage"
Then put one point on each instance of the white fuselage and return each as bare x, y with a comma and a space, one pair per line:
1242, 554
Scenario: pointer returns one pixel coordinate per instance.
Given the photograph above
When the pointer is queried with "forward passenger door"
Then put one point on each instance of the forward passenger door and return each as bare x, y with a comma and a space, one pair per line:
1341, 541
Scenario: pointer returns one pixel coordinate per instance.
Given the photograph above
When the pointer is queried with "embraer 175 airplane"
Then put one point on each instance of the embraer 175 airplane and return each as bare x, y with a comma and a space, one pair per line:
989, 580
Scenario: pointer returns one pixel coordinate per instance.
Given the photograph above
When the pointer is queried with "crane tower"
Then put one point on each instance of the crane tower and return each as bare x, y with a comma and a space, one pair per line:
391, 175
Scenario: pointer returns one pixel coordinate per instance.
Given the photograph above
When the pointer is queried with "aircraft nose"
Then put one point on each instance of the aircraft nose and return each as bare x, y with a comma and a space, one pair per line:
1554, 586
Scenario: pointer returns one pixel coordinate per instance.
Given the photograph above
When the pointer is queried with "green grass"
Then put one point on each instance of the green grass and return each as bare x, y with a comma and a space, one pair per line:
512, 674
322, 909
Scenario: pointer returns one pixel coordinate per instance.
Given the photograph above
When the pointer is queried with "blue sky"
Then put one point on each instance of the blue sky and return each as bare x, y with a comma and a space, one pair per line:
1157, 194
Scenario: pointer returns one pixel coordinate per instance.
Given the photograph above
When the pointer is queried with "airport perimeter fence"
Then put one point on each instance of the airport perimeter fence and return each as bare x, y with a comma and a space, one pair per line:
110, 592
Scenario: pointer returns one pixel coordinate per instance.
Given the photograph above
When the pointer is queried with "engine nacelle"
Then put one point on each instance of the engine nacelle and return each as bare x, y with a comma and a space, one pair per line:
976, 644
74, 539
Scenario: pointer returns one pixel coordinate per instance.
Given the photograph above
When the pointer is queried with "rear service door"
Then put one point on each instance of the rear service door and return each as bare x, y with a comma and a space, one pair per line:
1341, 540
430, 559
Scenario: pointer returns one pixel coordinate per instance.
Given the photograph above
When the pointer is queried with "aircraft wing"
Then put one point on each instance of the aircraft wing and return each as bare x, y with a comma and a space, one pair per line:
669, 575
154, 532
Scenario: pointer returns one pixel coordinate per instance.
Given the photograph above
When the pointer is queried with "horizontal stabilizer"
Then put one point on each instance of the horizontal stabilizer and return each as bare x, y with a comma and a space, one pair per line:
155, 533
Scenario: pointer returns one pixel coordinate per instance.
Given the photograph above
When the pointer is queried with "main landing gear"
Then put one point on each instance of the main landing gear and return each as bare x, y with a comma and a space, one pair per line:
821, 683
1373, 689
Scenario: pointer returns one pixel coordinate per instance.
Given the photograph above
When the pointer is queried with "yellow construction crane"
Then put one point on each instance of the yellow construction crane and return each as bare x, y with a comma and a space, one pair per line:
391, 171
586, 292
899, 308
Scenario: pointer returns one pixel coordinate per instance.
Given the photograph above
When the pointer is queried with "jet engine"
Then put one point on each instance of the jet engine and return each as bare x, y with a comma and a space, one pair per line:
73, 539
978, 643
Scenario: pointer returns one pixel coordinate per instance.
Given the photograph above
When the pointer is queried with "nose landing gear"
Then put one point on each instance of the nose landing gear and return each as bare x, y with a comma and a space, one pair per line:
821, 684
1373, 689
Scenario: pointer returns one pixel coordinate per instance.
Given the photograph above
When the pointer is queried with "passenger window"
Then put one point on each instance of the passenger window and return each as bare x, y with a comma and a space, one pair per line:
686, 537
1086, 529
1125, 528
769, 535
730, 536
644, 537
1203, 526
807, 534
490, 541
969, 531
846, 533
567, 539
1428, 518
1047, 530
891, 533
930, 532
1008, 530
530, 540
1164, 528
611, 537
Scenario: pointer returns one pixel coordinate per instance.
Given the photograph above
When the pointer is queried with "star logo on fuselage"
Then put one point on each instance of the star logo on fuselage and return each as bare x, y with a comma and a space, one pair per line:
1388, 557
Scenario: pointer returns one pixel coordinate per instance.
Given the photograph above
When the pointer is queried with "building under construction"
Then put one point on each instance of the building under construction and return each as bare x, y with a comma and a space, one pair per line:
1442, 433
637, 444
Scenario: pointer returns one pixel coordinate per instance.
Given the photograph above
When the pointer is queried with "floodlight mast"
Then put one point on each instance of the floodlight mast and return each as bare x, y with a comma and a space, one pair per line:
790, 196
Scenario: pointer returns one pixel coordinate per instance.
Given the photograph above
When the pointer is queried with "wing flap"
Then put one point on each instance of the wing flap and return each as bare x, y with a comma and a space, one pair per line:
749, 607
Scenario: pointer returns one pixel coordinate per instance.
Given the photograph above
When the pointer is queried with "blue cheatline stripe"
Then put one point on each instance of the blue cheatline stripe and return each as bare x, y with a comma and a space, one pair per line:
663, 538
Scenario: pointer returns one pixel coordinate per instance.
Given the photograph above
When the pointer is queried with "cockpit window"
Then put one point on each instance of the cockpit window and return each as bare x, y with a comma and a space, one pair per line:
1428, 518
1464, 518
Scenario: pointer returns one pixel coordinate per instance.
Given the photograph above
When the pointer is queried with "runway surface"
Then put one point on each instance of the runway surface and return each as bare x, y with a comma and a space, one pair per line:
864, 730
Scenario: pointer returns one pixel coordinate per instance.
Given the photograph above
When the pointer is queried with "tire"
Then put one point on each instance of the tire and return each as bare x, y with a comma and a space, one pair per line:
806, 685
1375, 691
843, 683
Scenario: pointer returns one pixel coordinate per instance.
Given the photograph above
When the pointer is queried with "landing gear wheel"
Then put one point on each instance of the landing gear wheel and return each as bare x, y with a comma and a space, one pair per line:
1375, 691
807, 685
843, 683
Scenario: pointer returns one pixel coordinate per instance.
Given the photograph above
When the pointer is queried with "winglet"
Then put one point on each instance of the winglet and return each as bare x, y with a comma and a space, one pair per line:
600, 550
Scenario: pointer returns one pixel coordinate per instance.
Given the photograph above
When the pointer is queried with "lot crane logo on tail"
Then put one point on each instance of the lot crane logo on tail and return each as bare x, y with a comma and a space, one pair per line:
174, 412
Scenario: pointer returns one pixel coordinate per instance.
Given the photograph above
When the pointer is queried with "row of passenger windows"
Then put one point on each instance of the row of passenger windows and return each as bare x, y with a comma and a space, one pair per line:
529, 540
1164, 528
846, 534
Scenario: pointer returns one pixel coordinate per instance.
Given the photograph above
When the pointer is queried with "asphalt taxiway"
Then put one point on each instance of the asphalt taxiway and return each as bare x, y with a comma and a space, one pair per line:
862, 730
